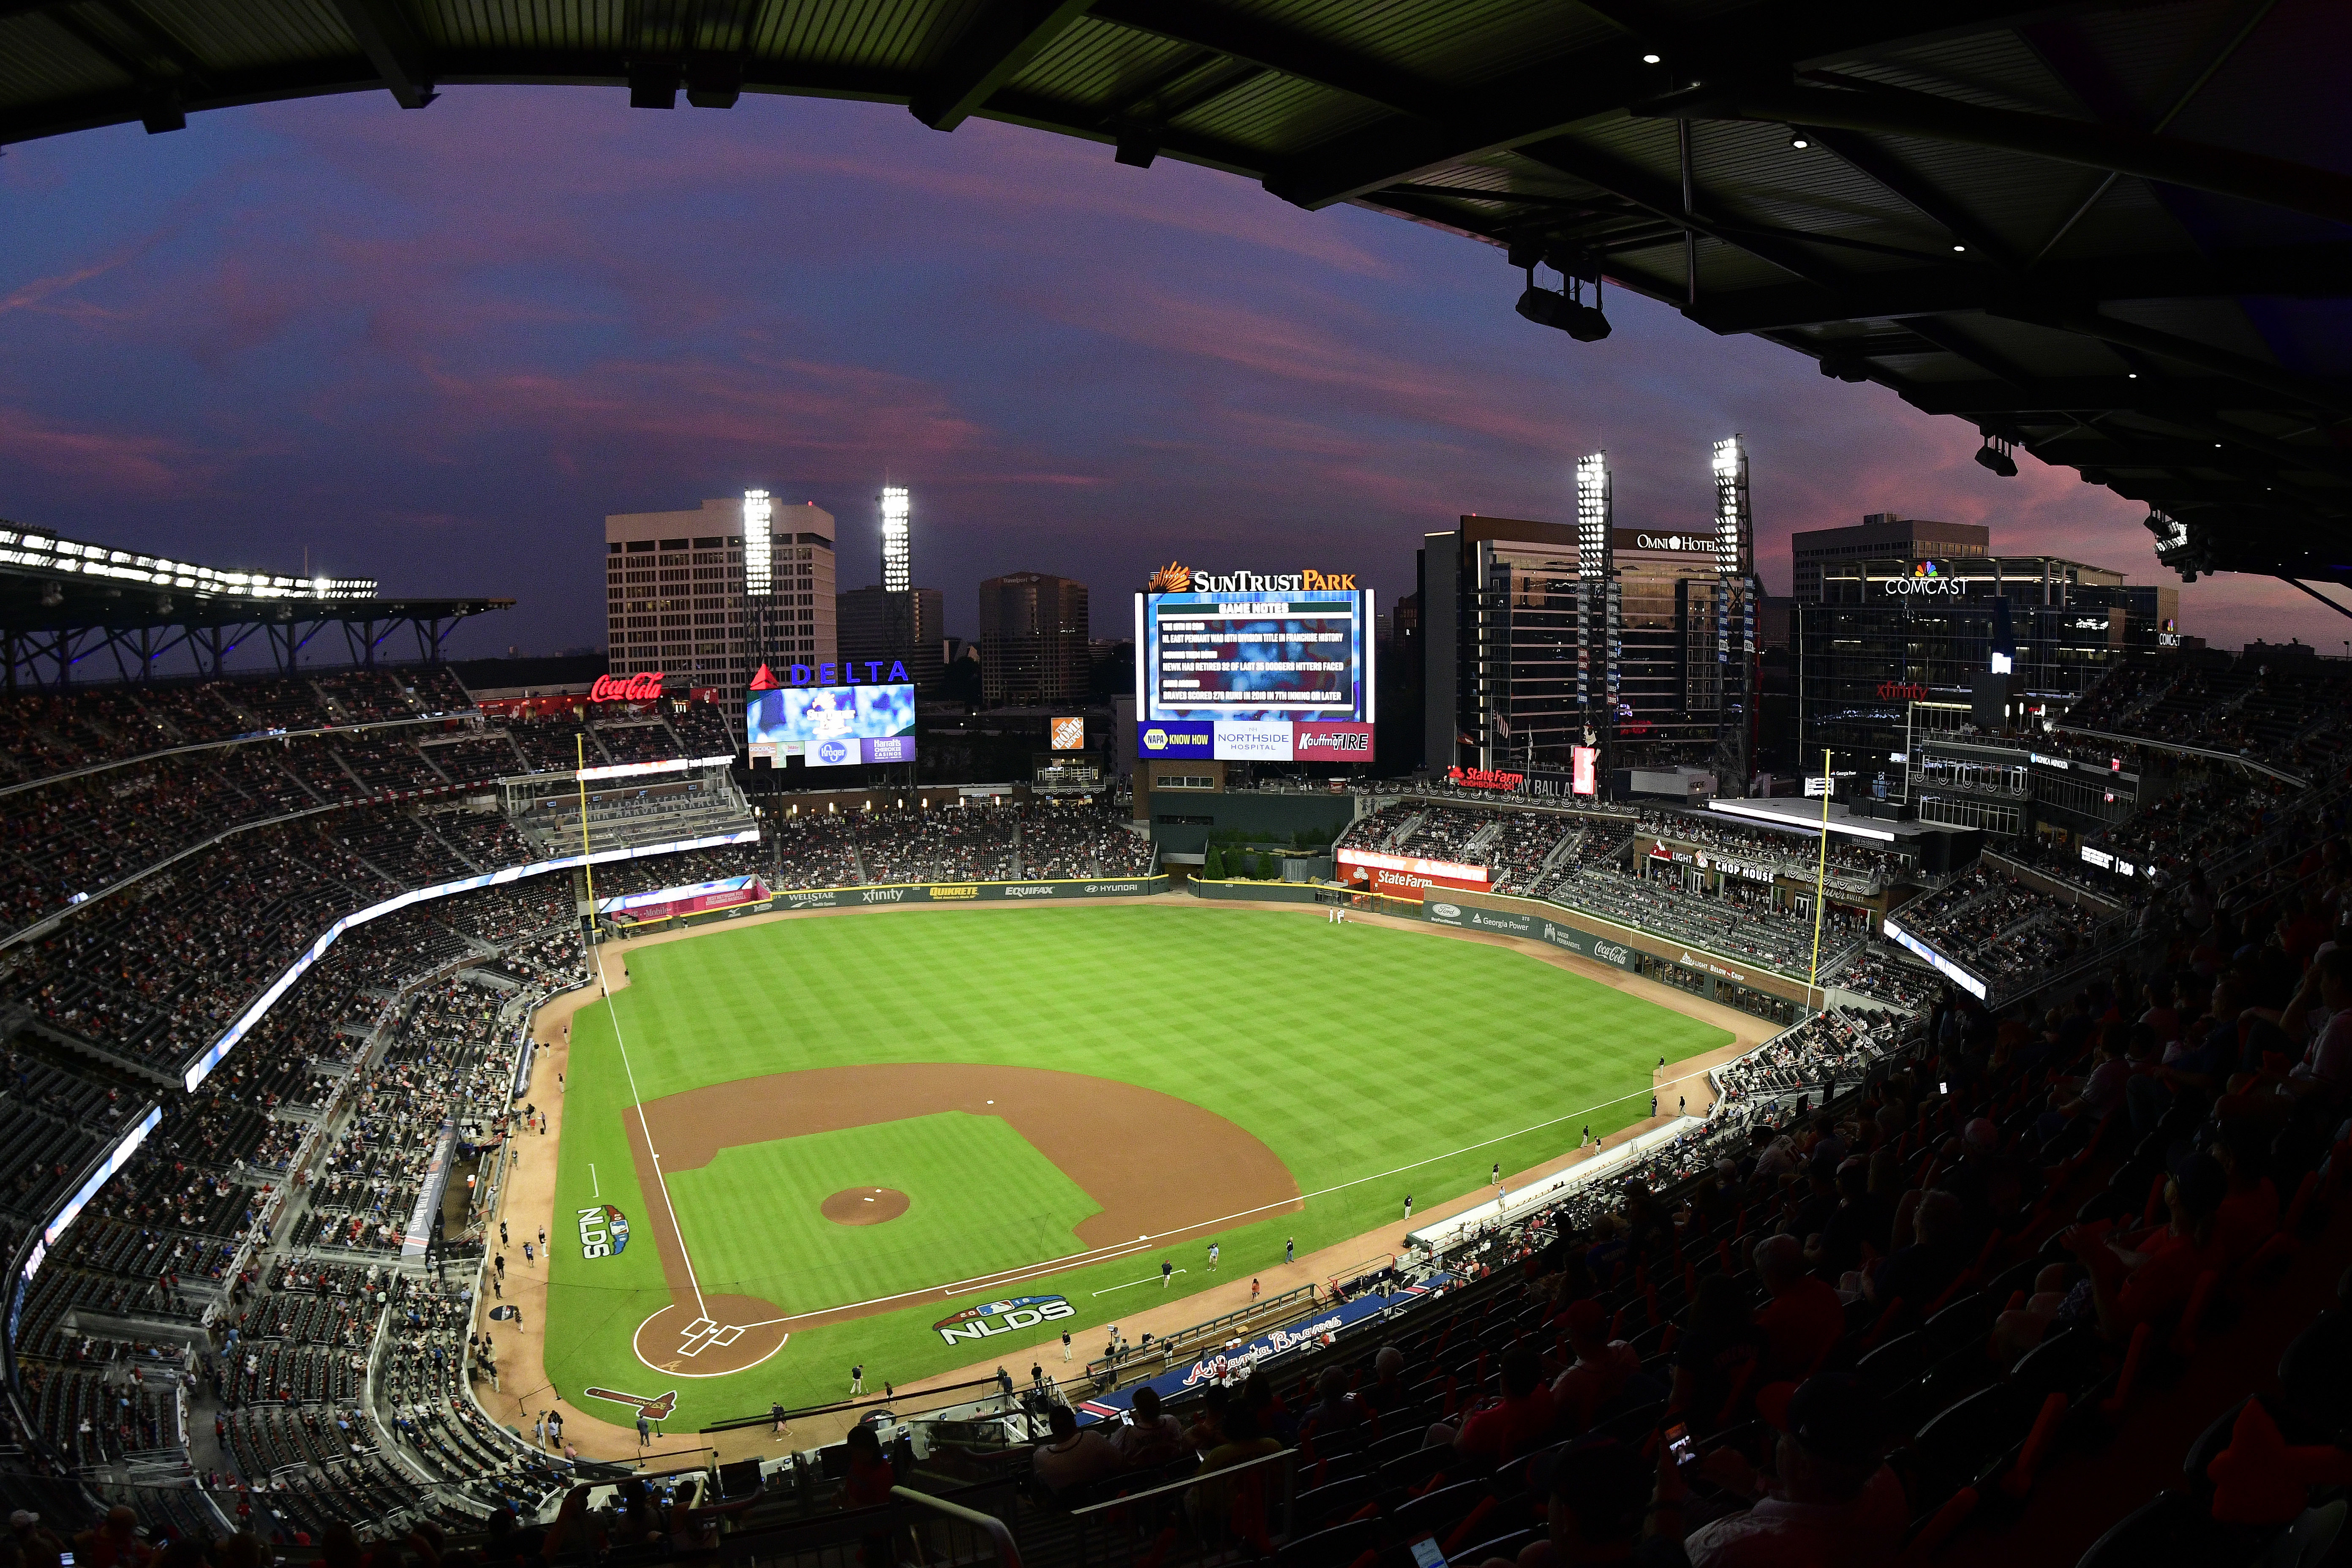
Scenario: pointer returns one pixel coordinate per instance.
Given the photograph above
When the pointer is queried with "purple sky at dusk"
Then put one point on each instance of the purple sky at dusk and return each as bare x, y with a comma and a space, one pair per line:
437, 347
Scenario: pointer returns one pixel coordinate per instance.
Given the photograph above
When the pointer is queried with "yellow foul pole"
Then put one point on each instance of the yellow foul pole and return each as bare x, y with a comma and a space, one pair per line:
579, 741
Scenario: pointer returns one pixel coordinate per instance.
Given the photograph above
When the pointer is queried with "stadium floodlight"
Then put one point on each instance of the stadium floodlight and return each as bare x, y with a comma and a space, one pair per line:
1997, 454
1734, 529
759, 514
47, 552
896, 572
1549, 308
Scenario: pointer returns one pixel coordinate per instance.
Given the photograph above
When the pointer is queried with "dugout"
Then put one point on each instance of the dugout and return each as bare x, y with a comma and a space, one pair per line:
1183, 822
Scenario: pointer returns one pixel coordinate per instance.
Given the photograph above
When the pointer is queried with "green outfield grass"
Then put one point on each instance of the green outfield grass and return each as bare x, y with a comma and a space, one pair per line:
1351, 1050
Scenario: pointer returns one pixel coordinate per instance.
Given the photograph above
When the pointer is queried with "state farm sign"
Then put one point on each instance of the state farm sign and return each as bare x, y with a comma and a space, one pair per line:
643, 687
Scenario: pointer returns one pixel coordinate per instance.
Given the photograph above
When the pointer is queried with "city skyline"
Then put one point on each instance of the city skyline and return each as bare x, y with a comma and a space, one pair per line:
437, 349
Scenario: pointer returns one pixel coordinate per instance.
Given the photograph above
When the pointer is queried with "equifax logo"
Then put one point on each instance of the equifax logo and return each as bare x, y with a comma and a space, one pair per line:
643, 687
604, 1231
1016, 1312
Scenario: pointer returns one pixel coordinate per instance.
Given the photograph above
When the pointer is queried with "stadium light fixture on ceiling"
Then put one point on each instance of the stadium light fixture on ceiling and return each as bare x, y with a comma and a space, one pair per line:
897, 575
759, 514
1649, 59
1797, 139
1997, 454
47, 552
1566, 311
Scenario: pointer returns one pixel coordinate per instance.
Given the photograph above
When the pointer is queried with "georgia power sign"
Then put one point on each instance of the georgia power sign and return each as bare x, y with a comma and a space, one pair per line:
1005, 1316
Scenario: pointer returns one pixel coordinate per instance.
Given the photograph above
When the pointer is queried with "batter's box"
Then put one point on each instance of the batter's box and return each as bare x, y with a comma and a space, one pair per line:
718, 1336
702, 1334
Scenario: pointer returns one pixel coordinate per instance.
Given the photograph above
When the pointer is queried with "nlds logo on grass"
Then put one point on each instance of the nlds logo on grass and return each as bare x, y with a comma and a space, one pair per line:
1017, 1313
604, 1231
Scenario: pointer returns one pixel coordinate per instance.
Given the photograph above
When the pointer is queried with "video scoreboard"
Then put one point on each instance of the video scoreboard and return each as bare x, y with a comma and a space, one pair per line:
1277, 675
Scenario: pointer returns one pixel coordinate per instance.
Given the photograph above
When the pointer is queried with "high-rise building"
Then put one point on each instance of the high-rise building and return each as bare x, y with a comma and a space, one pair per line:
871, 620
1881, 536
1033, 638
675, 587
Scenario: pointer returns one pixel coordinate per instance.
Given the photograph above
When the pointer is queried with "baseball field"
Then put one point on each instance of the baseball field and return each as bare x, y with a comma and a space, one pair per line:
795, 1147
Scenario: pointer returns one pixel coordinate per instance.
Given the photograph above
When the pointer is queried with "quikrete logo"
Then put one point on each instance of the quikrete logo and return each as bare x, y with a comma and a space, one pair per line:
1016, 1312
604, 1231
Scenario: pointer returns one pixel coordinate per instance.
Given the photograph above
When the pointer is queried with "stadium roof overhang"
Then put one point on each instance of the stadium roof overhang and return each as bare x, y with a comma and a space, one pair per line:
63, 602
2113, 235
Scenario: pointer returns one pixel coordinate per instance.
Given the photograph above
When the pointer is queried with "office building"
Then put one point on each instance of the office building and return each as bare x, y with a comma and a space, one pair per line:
1540, 638
1898, 651
909, 628
676, 599
1881, 536
1033, 638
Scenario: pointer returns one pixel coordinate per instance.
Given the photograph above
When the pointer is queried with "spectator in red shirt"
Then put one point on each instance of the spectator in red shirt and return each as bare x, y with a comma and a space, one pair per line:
2142, 1277
1502, 1429
1603, 1367
2249, 1212
1805, 1316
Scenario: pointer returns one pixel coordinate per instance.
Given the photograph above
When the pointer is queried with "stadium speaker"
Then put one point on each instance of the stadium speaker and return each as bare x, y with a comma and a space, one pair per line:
652, 84
714, 80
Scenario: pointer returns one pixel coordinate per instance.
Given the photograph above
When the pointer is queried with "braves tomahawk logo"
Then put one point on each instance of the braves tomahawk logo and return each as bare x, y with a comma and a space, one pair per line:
657, 1408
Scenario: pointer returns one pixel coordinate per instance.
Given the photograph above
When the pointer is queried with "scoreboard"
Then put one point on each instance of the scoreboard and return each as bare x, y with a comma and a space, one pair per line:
1301, 656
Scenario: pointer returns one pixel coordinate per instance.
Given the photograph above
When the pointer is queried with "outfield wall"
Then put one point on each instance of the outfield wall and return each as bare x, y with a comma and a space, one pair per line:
1049, 890
1587, 935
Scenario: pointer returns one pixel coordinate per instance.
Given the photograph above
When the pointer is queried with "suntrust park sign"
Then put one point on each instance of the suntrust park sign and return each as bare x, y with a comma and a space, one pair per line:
1177, 578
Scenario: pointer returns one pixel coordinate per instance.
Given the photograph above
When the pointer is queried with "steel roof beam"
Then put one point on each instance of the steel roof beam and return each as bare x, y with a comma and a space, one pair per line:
2288, 271
1293, 54
1866, 156
393, 47
1005, 37
1549, 97
2310, 391
2091, 394
1893, 111
1664, 199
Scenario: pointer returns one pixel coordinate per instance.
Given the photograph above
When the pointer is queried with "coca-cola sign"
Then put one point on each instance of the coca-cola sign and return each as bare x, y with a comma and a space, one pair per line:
643, 687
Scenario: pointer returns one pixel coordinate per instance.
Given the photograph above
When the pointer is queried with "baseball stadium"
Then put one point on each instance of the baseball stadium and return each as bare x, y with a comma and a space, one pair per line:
1523, 1047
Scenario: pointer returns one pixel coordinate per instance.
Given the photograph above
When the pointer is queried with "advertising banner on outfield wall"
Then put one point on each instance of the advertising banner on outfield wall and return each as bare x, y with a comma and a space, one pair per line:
1512, 923
970, 893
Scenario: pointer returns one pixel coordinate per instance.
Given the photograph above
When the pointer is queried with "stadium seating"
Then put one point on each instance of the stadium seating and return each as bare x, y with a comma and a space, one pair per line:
2005, 1382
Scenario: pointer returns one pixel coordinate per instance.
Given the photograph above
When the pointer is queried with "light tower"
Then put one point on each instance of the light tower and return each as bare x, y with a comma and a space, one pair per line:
758, 583
1596, 607
897, 575
1735, 617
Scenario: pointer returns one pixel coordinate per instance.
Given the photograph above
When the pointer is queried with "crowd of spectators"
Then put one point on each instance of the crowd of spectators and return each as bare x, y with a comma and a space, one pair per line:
2001, 930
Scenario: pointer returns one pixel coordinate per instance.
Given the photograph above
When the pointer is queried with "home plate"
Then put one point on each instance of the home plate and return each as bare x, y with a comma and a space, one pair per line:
729, 1334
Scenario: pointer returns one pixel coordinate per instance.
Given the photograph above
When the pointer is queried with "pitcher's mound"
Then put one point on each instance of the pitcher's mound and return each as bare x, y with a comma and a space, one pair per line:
865, 1205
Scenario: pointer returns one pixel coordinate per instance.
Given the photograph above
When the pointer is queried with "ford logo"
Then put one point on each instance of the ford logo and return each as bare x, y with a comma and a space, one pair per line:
1445, 911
